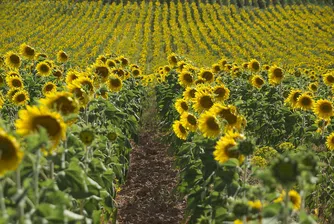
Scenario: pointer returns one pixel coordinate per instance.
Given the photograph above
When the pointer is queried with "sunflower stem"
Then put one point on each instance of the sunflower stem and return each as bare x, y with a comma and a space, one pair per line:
286, 207
36, 176
63, 155
19, 191
2, 201
52, 169
86, 158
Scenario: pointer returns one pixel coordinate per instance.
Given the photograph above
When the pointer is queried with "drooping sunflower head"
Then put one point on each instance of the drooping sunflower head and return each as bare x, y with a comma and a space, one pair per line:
27, 51
323, 109
85, 83
329, 79
114, 83
209, 125
292, 99
257, 81
186, 79
173, 59
179, 130
225, 149
189, 93
330, 141
221, 92
313, 86
276, 75
254, 65
12, 60
62, 102
181, 106
14, 82
203, 101
62, 56
10, 154
48, 88
21, 98
43, 69
189, 121
207, 75
305, 102
33, 118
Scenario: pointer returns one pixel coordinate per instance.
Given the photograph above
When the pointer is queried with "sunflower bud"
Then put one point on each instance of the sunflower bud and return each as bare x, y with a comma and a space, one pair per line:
285, 170
246, 147
240, 209
87, 137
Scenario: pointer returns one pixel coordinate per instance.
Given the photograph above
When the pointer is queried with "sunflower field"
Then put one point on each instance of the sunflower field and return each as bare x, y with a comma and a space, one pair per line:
244, 91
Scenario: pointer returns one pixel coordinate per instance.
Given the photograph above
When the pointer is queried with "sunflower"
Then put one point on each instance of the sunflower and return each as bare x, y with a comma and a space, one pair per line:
62, 102
181, 106
199, 81
87, 136
255, 205
79, 94
245, 65
114, 83
31, 119
167, 68
323, 109
222, 62
27, 51
124, 61
294, 198
189, 93
172, 59
216, 68
71, 76
228, 67
14, 82
12, 60
209, 125
48, 88
103, 92
266, 67
225, 149
203, 101
207, 75
43, 69
85, 83
101, 58
275, 75
62, 56
293, 96
257, 81
305, 102
186, 78
330, 141
179, 130
20, 98
313, 86
57, 73
189, 121
102, 72
40, 56
329, 79
111, 63
10, 153
254, 65
11, 92
222, 110
221, 92
136, 72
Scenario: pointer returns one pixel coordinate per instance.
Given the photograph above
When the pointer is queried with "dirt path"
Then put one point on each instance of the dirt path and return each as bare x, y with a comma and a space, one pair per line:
149, 193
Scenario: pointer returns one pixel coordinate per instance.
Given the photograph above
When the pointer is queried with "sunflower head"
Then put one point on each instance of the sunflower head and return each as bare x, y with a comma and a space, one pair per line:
226, 149
189, 93
136, 72
295, 199
85, 83
12, 60
20, 98
62, 56
276, 75
102, 72
254, 65
11, 92
79, 94
48, 88
207, 75
222, 62
257, 81
305, 102
111, 63
62, 102
292, 99
186, 79
189, 121
14, 82
71, 76
203, 101
43, 69
329, 79
179, 130
221, 92
173, 59
330, 141
216, 68
181, 106
323, 109
33, 118
101, 59
10, 154
124, 61
209, 125
57, 73
27, 51
245, 65
313, 86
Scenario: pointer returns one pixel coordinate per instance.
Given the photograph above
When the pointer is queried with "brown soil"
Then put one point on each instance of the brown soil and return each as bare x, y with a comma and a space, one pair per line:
149, 195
